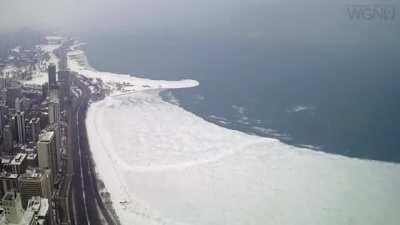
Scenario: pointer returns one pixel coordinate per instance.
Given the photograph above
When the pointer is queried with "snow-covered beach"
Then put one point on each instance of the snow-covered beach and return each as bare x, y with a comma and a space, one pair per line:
164, 165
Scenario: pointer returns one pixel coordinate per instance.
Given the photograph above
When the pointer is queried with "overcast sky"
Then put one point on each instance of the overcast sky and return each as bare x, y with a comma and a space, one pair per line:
166, 14
304, 20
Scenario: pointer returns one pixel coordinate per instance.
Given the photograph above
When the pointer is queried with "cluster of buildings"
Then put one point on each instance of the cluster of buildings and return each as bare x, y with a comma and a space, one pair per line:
23, 63
33, 142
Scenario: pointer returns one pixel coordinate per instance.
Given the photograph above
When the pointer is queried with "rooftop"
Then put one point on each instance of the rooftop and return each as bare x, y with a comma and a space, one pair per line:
18, 159
40, 205
31, 156
32, 173
46, 136
5, 160
5, 174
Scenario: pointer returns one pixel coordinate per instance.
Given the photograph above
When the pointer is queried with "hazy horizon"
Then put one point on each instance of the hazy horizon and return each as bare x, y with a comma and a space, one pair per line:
267, 22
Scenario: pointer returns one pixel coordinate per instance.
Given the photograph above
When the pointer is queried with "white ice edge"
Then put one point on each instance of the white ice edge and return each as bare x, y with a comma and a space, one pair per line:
164, 165
78, 62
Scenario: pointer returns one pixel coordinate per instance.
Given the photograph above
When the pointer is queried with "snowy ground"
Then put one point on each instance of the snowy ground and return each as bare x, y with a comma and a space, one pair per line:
164, 165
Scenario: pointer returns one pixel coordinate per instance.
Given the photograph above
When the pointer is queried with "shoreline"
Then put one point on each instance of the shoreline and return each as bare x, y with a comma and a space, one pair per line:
134, 208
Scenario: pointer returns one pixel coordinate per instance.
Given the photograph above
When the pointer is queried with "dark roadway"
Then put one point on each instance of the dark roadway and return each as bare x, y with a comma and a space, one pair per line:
84, 196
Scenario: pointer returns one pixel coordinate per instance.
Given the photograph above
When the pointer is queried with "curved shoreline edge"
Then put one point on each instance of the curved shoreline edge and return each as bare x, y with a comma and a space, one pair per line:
329, 171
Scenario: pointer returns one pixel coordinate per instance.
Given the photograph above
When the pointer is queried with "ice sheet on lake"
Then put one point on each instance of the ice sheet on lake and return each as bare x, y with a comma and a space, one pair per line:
164, 165
168, 165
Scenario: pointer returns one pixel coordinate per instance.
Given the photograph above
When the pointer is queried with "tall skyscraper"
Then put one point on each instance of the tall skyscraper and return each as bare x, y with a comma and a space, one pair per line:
13, 92
54, 120
18, 104
7, 140
14, 127
47, 153
3, 96
35, 128
64, 81
64, 76
52, 76
53, 94
54, 111
3, 82
20, 117
1, 123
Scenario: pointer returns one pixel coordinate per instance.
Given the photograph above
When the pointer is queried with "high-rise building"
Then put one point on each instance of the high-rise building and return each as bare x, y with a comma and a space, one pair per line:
20, 119
54, 111
18, 104
57, 135
34, 182
1, 123
54, 120
3, 96
47, 155
8, 182
13, 93
22, 104
14, 126
35, 128
64, 85
8, 141
3, 82
18, 163
64, 76
53, 94
52, 76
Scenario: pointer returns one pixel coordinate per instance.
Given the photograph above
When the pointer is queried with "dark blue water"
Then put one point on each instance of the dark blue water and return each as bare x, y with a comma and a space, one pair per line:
341, 97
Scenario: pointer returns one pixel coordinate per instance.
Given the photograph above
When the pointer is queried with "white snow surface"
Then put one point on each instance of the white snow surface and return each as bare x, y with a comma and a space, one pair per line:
165, 165
77, 62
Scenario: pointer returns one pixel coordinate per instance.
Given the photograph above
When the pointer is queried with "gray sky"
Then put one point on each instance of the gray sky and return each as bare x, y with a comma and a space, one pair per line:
161, 14
106, 14
303, 20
